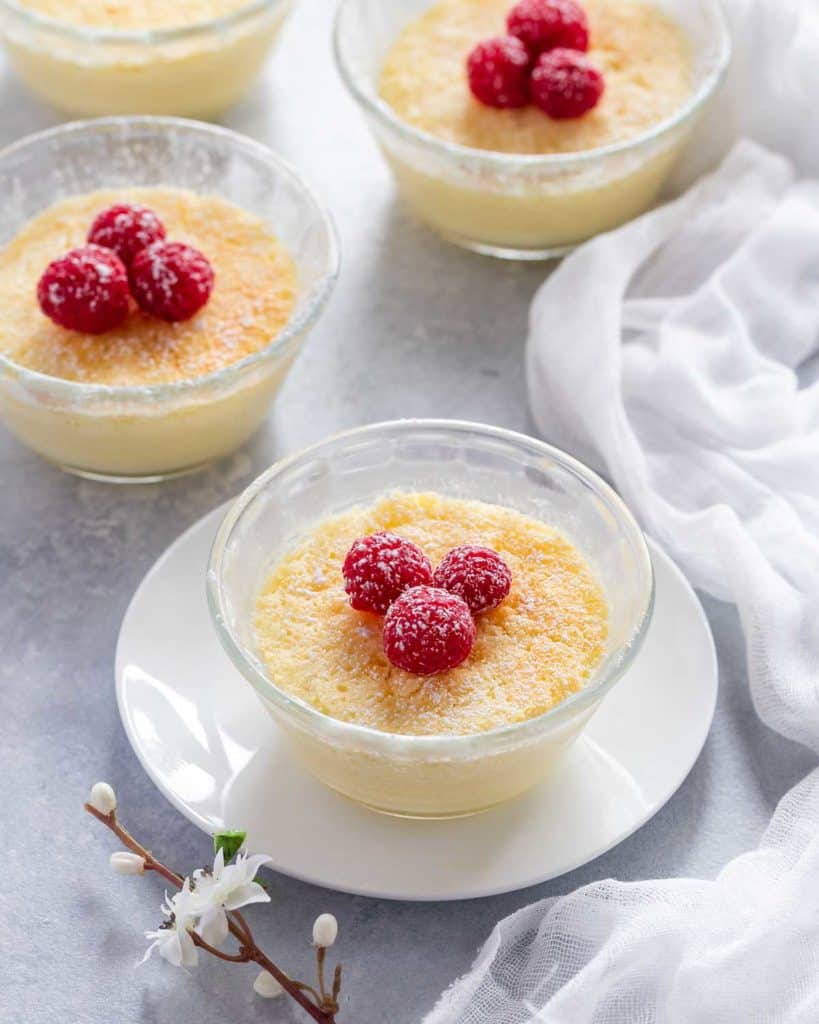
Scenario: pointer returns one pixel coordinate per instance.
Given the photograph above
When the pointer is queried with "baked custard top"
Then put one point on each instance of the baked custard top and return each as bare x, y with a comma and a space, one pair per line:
252, 300
530, 653
644, 57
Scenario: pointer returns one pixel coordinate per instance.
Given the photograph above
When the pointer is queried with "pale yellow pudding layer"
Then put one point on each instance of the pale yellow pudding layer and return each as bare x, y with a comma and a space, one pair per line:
135, 14
643, 55
252, 299
197, 73
533, 651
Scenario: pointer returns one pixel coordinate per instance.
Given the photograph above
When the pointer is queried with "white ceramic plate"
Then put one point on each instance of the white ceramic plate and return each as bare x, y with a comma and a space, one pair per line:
203, 737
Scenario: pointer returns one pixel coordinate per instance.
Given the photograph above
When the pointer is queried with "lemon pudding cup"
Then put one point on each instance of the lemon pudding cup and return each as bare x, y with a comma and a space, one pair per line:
529, 204
190, 59
145, 431
430, 775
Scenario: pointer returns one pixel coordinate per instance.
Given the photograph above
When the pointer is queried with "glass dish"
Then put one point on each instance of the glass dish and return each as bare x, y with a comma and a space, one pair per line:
522, 206
150, 432
195, 70
429, 776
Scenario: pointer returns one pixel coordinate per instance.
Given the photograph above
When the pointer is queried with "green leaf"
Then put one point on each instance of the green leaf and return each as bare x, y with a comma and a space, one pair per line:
229, 842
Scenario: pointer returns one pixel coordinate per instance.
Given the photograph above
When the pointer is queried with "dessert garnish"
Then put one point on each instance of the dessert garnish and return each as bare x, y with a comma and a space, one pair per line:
126, 229
541, 60
379, 568
89, 289
171, 281
498, 71
565, 84
427, 630
429, 625
548, 24
478, 575
85, 290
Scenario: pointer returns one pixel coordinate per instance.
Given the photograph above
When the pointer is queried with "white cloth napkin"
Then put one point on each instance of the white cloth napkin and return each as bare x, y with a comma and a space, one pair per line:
668, 354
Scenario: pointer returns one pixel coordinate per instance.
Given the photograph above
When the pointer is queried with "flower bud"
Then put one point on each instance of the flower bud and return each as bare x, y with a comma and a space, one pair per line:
229, 842
266, 985
103, 798
125, 863
325, 930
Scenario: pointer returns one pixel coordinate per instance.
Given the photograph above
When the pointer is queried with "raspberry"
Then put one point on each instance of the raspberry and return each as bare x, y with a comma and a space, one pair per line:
566, 84
171, 281
86, 290
428, 630
127, 230
498, 71
477, 575
547, 24
379, 568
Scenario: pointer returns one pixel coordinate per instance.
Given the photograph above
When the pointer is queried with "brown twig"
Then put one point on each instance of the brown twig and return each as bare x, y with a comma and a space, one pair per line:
321, 953
241, 957
336, 983
323, 1010
243, 925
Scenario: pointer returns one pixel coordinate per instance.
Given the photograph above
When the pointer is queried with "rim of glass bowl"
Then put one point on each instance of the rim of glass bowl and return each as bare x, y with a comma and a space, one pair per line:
535, 161
92, 35
149, 393
519, 732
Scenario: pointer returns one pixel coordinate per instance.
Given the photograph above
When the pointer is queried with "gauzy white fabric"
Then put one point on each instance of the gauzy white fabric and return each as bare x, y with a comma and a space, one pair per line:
668, 354
770, 89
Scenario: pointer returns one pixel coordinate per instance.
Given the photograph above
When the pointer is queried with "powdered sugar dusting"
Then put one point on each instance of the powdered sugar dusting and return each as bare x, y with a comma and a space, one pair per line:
545, 24
566, 84
477, 574
171, 280
85, 290
498, 72
380, 567
428, 631
127, 229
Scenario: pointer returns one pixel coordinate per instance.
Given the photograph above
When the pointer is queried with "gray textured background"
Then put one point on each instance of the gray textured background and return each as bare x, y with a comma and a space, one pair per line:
415, 328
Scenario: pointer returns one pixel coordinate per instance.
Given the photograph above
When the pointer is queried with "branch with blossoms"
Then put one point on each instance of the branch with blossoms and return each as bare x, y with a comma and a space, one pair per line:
205, 911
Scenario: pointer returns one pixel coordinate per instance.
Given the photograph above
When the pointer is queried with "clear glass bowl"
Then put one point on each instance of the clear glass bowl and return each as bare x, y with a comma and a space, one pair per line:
428, 776
522, 207
150, 432
196, 70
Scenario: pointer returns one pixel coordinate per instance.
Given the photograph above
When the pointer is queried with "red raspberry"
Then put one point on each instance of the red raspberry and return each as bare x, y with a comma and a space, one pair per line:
379, 568
566, 84
546, 24
86, 290
428, 630
498, 71
171, 281
127, 230
478, 575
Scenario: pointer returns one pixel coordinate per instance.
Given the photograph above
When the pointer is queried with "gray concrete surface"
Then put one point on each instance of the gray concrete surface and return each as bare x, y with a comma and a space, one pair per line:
415, 328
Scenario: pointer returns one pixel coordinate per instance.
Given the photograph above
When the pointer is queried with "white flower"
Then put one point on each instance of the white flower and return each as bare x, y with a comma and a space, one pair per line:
103, 798
227, 887
173, 941
213, 926
125, 863
325, 930
266, 985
